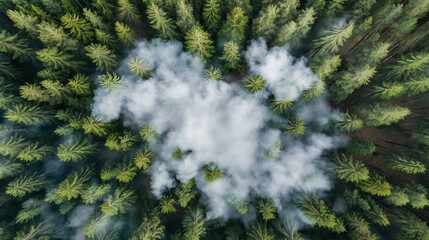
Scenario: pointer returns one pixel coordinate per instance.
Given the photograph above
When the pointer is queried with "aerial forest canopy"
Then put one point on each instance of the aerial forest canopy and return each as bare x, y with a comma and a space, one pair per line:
214, 119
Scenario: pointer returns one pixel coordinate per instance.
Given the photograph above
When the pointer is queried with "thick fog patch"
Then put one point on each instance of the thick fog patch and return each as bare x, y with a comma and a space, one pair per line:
222, 123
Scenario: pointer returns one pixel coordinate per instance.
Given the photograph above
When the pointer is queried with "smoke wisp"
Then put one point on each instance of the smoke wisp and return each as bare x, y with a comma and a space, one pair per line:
221, 123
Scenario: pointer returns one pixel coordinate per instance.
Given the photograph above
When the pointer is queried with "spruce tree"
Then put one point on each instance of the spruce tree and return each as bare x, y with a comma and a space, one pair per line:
266, 209
375, 185
410, 226
231, 56
185, 193
254, 83
281, 106
159, 21
57, 59
25, 184
74, 184
350, 80
417, 85
235, 26
409, 64
80, 85
148, 133
168, 204
35, 152
105, 38
78, 27
382, 114
265, 25
285, 33
151, 228
30, 210
110, 81
316, 211
125, 33
95, 20
314, 91
361, 146
96, 225
348, 169
52, 35
404, 163
198, 41
16, 47
143, 158
295, 127
334, 39
28, 114
118, 202
324, 67
418, 196
185, 15
93, 125
213, 74
259, 231
75, 149
23, 21
9, 168
125, 171
105, 7
127, 12
194, 224
94, 193
398, 197
212, 15
139, 67
211, 173
388, 90
103, 57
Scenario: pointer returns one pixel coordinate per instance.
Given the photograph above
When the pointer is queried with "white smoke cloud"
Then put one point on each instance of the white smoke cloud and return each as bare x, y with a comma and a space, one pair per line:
223, 124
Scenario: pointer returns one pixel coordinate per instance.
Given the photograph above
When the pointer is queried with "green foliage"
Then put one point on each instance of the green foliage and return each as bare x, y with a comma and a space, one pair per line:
35, 152
80, 85
316, 211
95, 126
355, 200
78, 27
185, 16
103, 57
198, 41
287, 232
352, 79
295, 127
185, 192
409, 64
143, 158
110, 81
23, 21
108, 171
127, 12
231, 56
239, 205
235, 26
76, 149
125, 33
375, 185
388, 90
334, 39
17, 48
314, 91
117, 202
95, 20
150, 228
25, 184
106, 39
30, 210
160, 22
126, 171
177, 154
148, 133
361, 146
417, 86
281, 106
9, 169
53, 57
28, 114
418, 196
254, 83
265, 24
12, 145
139, 67
382, 114
410, 226
211, 173
349, 169
259, 231
94, 193
168, 204
104, 7
121, 142
404, 163
96, 225
274, 151
193, 223
52, 35
398, 197
324, 67
213, 74
212, 15
286, 33
266, 209
357, 223
74, 184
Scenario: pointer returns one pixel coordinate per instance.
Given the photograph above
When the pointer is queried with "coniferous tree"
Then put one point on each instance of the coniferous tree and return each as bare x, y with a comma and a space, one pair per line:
75, 149
212, 15
185, 192
80, 85
417, 86
168, 204
57, 59
235, 26
30, 210
74, 184
324, 67
314, 91
398, 197
139, 67
409, 64
353, 78
287, 231
9, 168
108, 171
281, 106
375, 185
286, 33
266, 209
211, 173
361, 146
103, 57
418, 196
17, 48
105, 38
213, 74
128, 12
254, 83
12, 145
23, 21
110, 81
335, 38
143, 158
28, 115
382, 114
198, 41
96, 225
52, 35
24, 184
148, 133
151, 228
35, 152
231, 56
316, 211
95, 126
160, 22
295, 127
404, 163
388, 90
94, 193
259, 231
118, 202
348, 169
95, 20
125, 33
126, 171
105, 7
78, 27
185, 15
265, 24
410, 226
193, 223
357, 223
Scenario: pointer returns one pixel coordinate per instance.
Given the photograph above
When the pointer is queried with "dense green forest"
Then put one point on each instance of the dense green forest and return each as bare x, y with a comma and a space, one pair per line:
134, 119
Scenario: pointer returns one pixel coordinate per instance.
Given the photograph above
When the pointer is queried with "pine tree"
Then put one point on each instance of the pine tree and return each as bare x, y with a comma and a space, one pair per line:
286, 33
287, 232
108, 171
355, 200
150, 228
314, 91
139, 67
254, 83
52, 35
118, 202
76, 149
388, 90
193, 223
74, 184
185, 192
106, 39
373, 55
105, 7
316, 211
160, 22
103, 57
281, 106
95, 20
148, 133
211, 173
235, 26
361, 146
17, 48
213, 74
126, 171
23, 21
96, 225
35, 152
398, 197
335, 38
409, 64
259, 231
185, 16
295, 128
125, 33
212, 15
418, 196
55, 91
349, 169
357, 223
95, 126
127, 12
168, 204
80, 85
198, 41
417, 86
78, 27
410, 226
266, 209
110, 81
231, 56
12, 145
375, 185
143, 158
350, 80
30, 210
28, 115
305, 20
265, 25
53, 57
177, 154
324, 67
94, 193
404, 163
382, 114
24, 184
